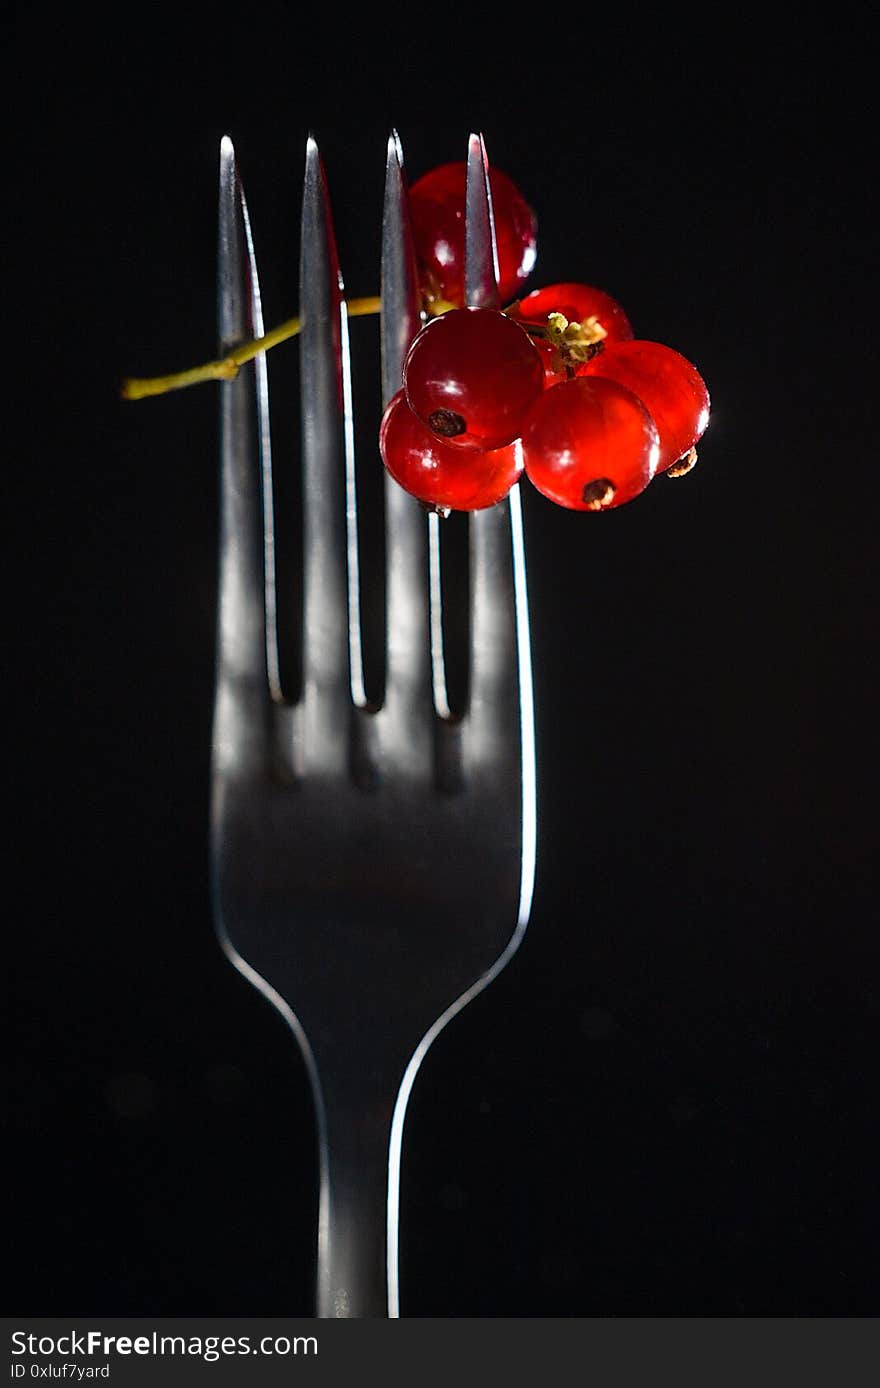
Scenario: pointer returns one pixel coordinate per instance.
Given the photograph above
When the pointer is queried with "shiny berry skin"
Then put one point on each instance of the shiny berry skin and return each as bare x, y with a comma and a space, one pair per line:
439, 474
577, 302
670, 387
552, 362
471, 376
590, 445
437, 208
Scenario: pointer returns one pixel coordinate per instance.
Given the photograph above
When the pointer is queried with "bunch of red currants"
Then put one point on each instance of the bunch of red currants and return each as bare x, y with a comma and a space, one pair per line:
555, 385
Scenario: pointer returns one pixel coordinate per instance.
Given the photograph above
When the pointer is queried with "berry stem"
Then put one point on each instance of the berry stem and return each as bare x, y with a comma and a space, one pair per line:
227, 368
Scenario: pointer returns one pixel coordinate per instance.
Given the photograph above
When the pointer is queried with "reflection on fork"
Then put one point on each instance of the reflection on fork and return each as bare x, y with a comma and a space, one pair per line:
372, 869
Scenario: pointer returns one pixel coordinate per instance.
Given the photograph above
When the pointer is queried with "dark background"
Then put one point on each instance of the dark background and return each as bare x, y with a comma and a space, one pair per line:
667, 1103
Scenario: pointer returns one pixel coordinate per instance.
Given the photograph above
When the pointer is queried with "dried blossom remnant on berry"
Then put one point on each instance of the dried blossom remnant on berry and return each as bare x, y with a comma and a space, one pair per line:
684, 465
598, 494
577, 341
446, 423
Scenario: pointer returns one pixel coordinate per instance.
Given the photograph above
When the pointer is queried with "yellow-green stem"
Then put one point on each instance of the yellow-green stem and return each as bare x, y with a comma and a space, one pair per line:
226, 368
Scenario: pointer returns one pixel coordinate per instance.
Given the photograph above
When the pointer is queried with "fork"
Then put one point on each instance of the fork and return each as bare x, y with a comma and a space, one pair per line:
372, 870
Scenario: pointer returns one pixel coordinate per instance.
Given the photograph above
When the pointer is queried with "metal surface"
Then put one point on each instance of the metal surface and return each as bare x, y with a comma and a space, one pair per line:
367, 903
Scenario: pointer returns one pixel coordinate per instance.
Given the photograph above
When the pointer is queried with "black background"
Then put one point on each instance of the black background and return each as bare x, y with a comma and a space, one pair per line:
666, 1104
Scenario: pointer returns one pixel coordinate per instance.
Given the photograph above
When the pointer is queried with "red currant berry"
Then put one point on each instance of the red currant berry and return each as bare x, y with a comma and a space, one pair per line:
552, 362
590, 445
578, 303
670, 387
437, 207
471, 376
439, 474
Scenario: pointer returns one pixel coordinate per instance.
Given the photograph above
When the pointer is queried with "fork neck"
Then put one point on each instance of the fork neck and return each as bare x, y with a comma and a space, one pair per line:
354, 1137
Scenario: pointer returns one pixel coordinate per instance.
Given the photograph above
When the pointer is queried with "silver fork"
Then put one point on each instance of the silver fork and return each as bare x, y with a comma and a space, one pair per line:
372, 870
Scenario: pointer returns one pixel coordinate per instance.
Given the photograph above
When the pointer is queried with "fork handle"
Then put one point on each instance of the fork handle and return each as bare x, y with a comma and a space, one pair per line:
354, 1138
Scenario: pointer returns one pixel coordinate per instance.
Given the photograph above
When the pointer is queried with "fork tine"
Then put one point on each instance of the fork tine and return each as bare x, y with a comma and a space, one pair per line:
481, 255
401, 311
500, 683
408, 677
244, 637
331, 658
